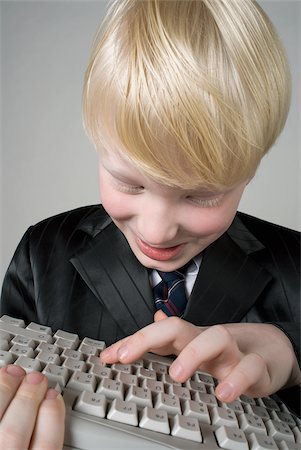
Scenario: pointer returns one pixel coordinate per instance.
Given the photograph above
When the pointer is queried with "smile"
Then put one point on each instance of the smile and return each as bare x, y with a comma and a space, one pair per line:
157, 253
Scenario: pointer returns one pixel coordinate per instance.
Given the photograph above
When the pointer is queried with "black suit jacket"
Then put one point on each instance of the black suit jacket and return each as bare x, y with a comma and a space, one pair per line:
75, 271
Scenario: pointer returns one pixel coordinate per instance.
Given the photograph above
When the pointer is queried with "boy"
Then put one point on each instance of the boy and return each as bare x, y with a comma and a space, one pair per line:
182, 99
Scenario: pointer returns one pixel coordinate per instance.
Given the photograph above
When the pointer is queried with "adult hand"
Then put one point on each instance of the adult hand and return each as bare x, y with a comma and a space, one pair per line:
31, 416
251, 359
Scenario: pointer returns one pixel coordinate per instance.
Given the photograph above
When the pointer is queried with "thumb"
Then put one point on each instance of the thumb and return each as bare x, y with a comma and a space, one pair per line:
159, 315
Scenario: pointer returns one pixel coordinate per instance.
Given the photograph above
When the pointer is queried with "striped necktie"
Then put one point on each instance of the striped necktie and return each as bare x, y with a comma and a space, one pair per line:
170, 294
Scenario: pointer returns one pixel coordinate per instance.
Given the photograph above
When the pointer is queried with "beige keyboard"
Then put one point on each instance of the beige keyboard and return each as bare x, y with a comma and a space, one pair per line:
138, 406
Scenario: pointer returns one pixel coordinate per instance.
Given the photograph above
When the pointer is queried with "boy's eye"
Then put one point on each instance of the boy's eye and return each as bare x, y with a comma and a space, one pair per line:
204, 202
128, 188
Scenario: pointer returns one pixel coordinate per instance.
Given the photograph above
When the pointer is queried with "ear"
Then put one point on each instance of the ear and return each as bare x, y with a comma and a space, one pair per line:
160, 315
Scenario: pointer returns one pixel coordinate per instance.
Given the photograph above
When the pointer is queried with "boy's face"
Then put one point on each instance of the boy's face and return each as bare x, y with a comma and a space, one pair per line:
164, 226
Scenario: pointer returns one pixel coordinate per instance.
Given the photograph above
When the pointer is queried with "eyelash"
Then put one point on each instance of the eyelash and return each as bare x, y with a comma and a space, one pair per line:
128, 188
206, 203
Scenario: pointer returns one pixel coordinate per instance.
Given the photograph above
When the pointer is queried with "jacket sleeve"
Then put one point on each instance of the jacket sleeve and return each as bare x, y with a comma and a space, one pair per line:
18, 293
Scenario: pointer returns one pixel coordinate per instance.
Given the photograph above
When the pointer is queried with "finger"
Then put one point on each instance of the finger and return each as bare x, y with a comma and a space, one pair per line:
160, 315
110, 354
214, 347
19, 418
50, 424
116, 352
250, 377
10, 378
165, 337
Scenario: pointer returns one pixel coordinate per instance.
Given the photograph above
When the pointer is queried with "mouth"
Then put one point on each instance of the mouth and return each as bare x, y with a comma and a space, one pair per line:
157, 253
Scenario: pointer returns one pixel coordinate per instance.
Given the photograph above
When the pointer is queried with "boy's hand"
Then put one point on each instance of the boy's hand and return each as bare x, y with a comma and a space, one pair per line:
251, 359
31, 417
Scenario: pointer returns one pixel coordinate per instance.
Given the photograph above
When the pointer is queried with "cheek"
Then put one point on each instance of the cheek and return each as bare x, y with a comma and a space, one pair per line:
114, 202
211, 222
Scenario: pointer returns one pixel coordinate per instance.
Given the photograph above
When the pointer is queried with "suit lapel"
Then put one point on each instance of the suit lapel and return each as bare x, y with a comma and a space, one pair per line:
229, 281
117, 279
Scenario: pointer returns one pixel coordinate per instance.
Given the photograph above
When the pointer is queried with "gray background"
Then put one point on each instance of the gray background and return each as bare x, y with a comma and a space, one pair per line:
47, 163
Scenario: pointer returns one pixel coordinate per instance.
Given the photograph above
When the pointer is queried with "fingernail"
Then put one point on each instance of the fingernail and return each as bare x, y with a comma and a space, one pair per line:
51, 394
34, 378
123, 353
15, 371
176, 371
224, 392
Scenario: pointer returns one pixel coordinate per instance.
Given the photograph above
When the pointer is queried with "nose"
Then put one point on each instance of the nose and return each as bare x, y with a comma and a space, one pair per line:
157, 223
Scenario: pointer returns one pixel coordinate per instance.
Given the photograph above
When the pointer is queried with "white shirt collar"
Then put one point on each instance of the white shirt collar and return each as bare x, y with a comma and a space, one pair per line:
190, 277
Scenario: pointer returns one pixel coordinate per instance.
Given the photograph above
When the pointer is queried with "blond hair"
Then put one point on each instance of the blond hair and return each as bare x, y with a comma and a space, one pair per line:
192, 92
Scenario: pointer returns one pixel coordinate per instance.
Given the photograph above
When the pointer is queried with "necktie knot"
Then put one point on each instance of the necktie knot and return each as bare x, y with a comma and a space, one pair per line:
170, 293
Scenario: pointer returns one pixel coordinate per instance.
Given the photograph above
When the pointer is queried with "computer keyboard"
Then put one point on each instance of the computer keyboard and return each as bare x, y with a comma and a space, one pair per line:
138, 405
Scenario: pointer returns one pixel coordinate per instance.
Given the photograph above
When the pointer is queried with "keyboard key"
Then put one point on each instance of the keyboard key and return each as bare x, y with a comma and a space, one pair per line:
258, 411
138, 363
166, 378
146, 373
25, 341
179, 391
51, 348
279, 430
15, 330
235, 406
111, 388
126, 368
74, 354
91, 403
195, 409
56, 374
21, 350
140, 395
39, 328
93, 360
81, 381
46, 357
125, 412
101, 372
247, 400
4, 344
6, 358
152, 419
153, 385
88, 350
250, 423
158, 367
29, 364
268, 403
127, 378
75, 365
208, 399
186, 427
12, 321
204, 378
100, 345
283, 417
4, 335
221, 416
66, 336
167, 402
65, 343
231, 438
297, 434
283, 445
196, 386
261, 442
